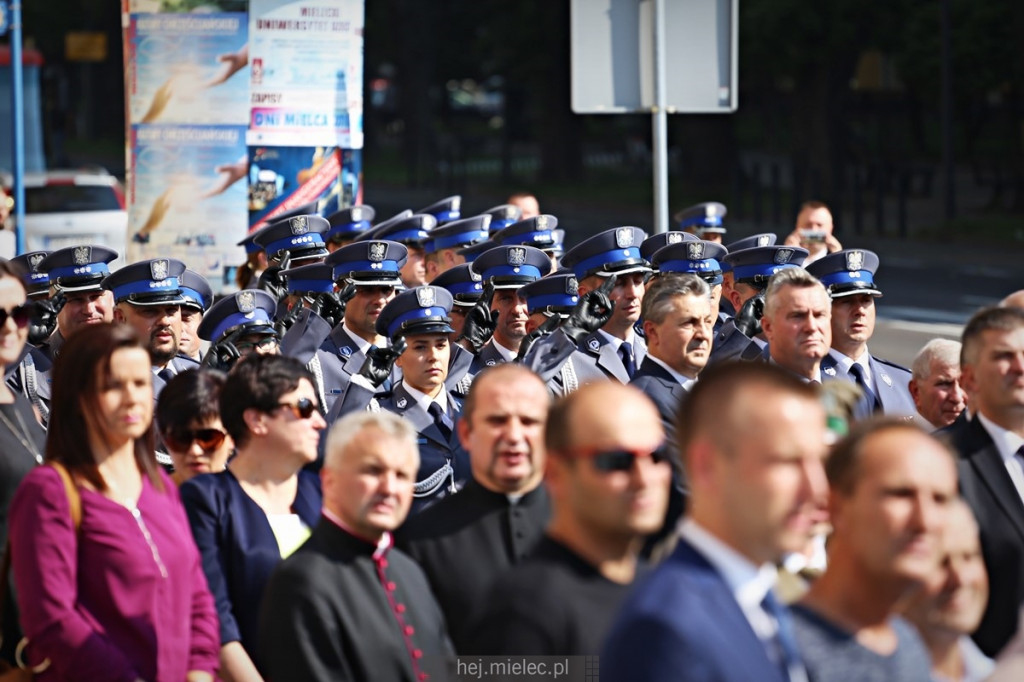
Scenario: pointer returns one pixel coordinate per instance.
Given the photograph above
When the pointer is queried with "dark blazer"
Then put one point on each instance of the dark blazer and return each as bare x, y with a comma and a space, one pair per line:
987, 488
464, 542
683, 623
238, 547
663, 389
730, 343
340, 610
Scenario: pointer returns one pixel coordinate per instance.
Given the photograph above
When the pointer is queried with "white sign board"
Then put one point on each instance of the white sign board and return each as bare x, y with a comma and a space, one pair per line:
613, 56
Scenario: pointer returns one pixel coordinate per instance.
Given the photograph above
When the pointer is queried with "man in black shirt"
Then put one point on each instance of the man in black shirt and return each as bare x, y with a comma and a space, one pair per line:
608, 476
466, 540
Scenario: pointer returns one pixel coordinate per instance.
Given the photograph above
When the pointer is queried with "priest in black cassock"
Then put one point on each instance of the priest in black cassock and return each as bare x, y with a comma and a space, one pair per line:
347, 605
608, 476
466, 540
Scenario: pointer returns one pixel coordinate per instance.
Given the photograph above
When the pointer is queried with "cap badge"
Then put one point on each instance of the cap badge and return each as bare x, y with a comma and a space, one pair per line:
782, 256
377, 251
542, 222
246, 302
516, 256
695, 250
82, 255
475, 276
299, 225
355, 214
425, 297
764, 240
624, 237
34, 260
456, 202
572, 286
855, 260
710, 210
159, 269
673, 237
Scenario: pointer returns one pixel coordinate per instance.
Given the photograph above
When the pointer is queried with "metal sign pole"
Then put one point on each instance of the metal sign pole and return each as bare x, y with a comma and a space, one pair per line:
18, 126
660, 122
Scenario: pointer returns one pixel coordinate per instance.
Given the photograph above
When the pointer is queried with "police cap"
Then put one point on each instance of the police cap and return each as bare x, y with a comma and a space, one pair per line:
510, 267
614, 251
847, 273
252, 309
420, 310
78, 268
149, 282
369, 263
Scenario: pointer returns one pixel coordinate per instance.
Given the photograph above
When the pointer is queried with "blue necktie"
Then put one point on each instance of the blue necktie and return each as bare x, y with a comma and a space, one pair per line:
870, 399
441, 419
785, 637
626, 353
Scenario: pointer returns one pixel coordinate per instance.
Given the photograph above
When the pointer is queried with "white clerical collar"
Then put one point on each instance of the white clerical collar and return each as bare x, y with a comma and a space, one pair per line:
383, 545
361, 343
424, 400
685, 381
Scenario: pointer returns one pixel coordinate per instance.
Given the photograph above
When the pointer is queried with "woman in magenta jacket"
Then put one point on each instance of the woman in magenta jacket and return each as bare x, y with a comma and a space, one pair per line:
122, 597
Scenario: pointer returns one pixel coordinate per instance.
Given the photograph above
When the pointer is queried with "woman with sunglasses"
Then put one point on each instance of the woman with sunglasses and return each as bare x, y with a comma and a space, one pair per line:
21, 437
188, 416
258, 511
119, 593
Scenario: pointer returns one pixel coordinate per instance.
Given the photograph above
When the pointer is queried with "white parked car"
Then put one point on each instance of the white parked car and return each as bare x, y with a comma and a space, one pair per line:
71, 207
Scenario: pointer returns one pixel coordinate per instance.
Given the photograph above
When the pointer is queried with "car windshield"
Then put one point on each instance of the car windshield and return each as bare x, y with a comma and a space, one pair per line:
70, 199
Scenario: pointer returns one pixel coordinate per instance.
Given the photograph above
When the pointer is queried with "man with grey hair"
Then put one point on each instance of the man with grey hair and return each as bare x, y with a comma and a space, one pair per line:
797, 322
346, 605
678, 327
991, 448
935, 384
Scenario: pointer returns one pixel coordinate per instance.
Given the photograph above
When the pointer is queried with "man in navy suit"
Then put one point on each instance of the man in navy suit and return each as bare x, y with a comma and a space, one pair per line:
849, 278
677, 324
753, 438
990, 466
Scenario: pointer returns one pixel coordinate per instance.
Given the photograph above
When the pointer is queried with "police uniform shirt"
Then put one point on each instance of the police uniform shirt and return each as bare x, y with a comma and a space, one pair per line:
846, 363
466, 541
507, 354
424, 400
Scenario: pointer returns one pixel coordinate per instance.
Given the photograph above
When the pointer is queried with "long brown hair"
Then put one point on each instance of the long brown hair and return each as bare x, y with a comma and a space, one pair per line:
78, 376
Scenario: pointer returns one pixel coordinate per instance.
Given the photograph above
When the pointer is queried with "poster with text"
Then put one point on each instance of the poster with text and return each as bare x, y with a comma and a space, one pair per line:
188, 196
306, 71
187, 68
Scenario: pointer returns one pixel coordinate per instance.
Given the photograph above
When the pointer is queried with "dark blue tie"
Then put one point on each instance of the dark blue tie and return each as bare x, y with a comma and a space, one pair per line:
626, 353
785, 637
441, 419
870, 399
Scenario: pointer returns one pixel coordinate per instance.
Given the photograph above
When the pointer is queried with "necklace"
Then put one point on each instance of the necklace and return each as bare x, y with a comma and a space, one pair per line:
24, 436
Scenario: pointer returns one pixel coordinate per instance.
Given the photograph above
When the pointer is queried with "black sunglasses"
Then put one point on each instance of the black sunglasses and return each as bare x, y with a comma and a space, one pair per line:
302, 409
207, 439
21, 314
607, 461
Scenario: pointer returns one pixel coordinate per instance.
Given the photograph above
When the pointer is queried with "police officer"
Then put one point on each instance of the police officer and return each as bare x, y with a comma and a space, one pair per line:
503, 215
37, 282
237, 325
762, 239
698, 257
446, 210
410, 231
347, 224
466, 287
601, 346
703, 220
505, 269
442, 245
76, 273
848, 276
198, 298
417, 323
148, 297
372, 272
